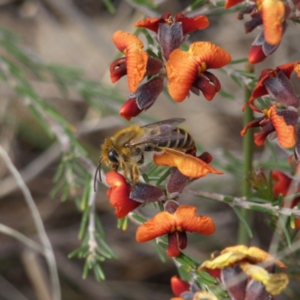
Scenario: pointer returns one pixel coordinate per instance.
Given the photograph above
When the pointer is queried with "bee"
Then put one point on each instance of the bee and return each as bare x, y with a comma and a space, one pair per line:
126, 149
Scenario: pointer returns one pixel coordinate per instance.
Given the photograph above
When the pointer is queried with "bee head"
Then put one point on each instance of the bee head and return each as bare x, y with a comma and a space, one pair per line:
109, 154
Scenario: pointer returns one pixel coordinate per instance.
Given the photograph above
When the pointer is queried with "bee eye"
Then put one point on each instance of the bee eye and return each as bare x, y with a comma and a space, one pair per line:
112, 155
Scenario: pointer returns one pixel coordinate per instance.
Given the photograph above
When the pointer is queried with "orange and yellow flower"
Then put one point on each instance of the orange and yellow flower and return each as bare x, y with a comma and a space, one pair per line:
135, 62
188, 70
247, 270
175, 224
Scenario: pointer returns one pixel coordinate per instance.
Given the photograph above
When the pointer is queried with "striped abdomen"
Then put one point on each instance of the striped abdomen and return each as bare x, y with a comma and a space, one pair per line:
179, 139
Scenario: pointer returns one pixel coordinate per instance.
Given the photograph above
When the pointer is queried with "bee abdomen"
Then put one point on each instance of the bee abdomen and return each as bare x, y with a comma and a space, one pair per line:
184, 141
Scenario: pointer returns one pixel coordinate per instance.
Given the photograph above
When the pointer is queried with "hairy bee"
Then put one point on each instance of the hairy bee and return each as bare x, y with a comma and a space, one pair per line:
127, 147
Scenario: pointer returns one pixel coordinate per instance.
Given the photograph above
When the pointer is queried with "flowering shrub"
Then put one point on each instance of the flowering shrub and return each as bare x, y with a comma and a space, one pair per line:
243, 272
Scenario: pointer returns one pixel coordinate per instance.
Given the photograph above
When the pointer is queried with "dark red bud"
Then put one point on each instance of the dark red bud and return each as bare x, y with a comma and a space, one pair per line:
143, 192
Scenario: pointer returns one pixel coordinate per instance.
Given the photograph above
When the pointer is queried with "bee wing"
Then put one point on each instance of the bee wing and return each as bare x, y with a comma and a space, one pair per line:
160, 132
173, 121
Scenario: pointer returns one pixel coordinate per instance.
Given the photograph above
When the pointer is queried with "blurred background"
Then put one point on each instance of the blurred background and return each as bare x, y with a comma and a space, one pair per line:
64, 54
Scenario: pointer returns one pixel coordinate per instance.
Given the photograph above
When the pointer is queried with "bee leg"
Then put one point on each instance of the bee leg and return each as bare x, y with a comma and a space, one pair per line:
136, 174
124, 169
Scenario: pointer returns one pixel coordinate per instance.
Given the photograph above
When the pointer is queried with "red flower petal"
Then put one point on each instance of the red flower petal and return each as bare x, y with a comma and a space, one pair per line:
173, 249
129, 109
188, 165
136, 58
285, 133
273, 15
191, 24
149, 23
256, 54
282, 183
179, 286
119, 194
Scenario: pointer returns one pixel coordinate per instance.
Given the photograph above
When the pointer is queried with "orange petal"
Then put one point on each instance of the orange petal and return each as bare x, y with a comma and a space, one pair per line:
159, 225
182, 71
285, 133
213, 55
230, 3
123, 40
136, 58
186, 218
188, 165
273, 13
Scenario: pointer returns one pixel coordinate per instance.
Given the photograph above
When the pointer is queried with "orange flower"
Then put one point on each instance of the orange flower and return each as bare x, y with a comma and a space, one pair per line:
281, 121
282, 186
175, 224
188, 165
276, 83
273, 16
188, 70
119, 193
136, 58
240, 273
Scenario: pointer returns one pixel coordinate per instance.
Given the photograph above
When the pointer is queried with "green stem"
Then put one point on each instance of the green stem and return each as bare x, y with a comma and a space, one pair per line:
248, 139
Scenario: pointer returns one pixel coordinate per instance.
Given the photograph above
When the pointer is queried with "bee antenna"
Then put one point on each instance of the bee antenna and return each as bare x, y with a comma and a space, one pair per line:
98, 170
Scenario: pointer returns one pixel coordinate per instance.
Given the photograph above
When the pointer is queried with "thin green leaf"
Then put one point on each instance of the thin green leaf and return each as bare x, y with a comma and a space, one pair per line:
161, 255
84, 222
109, 5
239, 61
196, 4
282, 222
99, 275
146, 3
226, 95
244, 222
